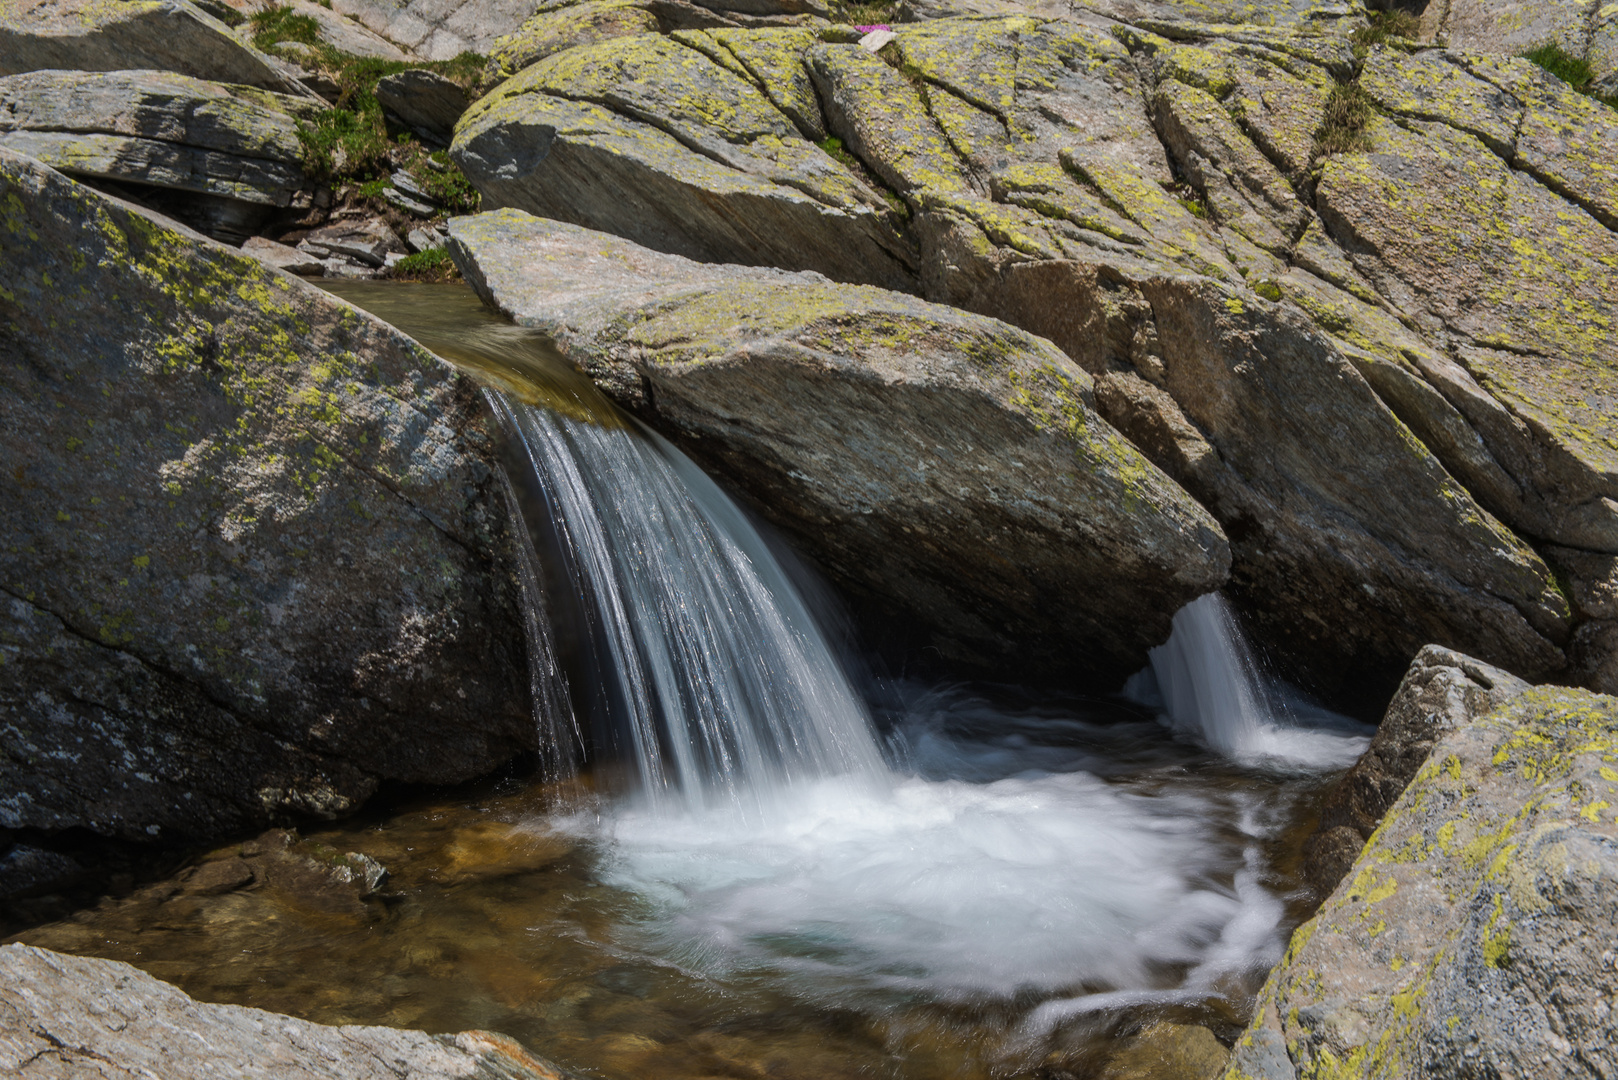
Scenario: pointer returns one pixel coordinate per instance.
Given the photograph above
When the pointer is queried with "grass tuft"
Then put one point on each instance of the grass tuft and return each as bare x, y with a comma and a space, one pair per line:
1573, 70
1385, 26
350, 141
434, 264
1342, 128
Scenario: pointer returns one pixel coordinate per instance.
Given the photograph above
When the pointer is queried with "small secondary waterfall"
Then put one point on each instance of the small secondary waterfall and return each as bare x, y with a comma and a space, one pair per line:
722, 682
1208, 686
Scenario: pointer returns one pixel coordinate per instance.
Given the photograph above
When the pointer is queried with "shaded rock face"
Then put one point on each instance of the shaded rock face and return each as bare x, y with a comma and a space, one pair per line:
256, 561
1387, 404
949, 464
162, 130
1472, 937
1442, 692
75, 1016
159, 35
424, 102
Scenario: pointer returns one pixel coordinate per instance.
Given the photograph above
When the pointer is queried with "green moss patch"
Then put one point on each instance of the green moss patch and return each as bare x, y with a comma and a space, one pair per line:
434, 264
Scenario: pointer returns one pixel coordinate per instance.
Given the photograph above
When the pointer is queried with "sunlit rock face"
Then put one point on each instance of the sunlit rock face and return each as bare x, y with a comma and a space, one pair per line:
946, 462
1389, 397
256, 547
1460, 941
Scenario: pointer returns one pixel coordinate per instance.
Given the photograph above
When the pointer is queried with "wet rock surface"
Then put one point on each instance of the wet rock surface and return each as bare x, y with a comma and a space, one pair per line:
883, 433
257, 558
73, 1016
1463, 940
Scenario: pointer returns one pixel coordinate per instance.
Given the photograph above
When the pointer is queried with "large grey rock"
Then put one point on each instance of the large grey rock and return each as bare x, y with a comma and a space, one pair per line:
1473, 935
256, 551
162, 130
944, 462
117, 35
1144, 195
651, 139
423, 101
1442, 692
70, 1016
439, 29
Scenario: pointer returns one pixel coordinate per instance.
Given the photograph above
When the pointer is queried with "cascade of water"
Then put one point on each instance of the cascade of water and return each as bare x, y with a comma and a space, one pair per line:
1208, 687
722, 682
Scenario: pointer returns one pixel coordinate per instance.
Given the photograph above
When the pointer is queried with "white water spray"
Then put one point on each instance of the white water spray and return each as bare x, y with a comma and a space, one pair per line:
726, 685
1208, 687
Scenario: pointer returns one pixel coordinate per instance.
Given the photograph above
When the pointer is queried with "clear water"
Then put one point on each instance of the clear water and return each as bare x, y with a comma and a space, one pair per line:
999, 887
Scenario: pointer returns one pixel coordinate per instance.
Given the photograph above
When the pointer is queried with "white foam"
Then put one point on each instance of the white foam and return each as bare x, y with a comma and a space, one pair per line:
1208, 687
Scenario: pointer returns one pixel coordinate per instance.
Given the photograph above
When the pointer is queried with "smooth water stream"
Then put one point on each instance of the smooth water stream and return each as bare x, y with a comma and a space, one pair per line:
800, 876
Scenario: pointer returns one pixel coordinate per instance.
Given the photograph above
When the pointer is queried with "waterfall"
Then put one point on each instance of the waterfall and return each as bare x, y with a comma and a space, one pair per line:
720, 684
1208, 688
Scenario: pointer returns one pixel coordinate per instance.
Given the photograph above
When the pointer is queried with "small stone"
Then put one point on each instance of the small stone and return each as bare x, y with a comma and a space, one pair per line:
406, 181
1183, 1051
366, 242
349, 268
368, 873
874, 41
393, 259
282, 257
408, 204
424, 238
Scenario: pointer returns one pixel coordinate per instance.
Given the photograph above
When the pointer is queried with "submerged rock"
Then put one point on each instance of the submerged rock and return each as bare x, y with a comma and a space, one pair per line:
1472, 937
1387, 427
256, 557
70, 1016
951, 465
157, 35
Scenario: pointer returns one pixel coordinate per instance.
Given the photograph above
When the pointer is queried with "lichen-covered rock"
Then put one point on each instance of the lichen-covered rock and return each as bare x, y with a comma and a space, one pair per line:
438, 29
1442, 692
76, 1016
1072, 173
345, 34
652, 140
423, 101
1473, 935
161, 130
118, 35
255, 549
948, 464
1513, 26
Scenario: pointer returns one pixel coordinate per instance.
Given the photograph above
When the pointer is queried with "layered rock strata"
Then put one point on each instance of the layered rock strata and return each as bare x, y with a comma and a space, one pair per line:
256, 554
230, 145
949, 464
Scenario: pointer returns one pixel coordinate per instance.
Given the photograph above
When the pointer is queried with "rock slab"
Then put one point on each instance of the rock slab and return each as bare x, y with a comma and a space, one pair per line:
949, 464
256, 551
69, 1016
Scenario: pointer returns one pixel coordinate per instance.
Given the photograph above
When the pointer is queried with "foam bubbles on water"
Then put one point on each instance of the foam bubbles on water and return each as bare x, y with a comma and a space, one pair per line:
1207, 687
1022, 876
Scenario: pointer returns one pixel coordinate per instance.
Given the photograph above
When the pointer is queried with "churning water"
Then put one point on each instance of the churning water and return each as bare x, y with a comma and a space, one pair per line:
1046, 863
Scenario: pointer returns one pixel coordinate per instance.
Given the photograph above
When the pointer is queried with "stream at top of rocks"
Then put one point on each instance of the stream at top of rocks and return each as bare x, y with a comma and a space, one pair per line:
768, 869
